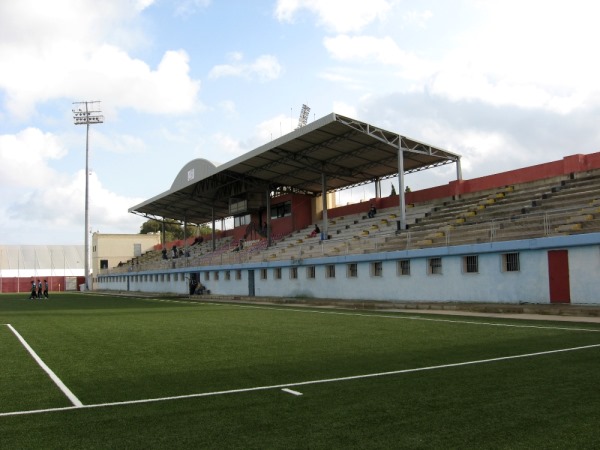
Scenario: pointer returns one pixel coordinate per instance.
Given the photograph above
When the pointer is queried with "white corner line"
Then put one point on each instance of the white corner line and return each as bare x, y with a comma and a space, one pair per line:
290, 391
76, 402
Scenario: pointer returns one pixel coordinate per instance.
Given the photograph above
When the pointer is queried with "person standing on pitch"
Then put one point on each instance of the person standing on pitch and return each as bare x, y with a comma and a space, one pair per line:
33, 290
40, 289
46, 288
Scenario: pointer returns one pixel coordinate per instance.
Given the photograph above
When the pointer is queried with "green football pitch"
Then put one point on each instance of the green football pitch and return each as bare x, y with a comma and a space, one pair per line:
90, 371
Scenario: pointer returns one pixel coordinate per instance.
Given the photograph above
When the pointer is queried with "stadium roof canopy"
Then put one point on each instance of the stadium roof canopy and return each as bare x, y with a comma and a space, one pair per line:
334, 151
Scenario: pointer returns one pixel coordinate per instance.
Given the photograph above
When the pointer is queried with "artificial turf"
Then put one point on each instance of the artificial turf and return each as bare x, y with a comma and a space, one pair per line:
114, 350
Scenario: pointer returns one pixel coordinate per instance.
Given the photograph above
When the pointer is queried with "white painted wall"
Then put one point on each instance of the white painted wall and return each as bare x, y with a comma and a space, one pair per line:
490, 284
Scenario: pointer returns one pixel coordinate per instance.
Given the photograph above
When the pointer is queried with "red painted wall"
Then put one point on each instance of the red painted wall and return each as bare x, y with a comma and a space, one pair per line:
23, 284
565, 166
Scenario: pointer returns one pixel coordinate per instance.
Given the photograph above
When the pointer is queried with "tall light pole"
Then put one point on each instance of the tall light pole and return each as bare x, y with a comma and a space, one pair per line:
87, 116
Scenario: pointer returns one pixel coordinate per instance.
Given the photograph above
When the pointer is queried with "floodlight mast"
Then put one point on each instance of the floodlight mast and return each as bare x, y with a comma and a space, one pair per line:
87, 117
303, 119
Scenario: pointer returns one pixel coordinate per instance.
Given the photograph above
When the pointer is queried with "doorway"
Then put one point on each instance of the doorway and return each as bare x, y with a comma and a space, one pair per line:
558, 275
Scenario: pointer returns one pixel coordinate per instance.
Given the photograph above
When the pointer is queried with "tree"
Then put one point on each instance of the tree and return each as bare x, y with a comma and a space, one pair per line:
173, 229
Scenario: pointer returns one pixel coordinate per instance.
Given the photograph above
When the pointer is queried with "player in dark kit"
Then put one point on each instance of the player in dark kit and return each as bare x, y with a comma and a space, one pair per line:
33, 290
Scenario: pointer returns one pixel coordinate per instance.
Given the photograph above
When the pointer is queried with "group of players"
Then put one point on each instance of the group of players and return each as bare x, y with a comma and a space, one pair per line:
38, 290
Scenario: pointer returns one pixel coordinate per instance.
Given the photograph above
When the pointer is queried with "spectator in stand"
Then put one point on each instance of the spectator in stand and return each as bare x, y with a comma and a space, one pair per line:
372, 212
164, 253
174, 251
315, 232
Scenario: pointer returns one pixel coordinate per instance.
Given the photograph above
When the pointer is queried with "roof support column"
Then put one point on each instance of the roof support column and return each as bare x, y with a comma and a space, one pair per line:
268, 221
185, 247
212, 213
458, 170
402, 199
324, 232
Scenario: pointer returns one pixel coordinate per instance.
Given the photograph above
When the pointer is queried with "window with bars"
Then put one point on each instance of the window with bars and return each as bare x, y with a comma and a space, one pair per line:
293, 273
310, 272
216, 276
277, 273
403, 267
352, 270
238, 274
434, 266
228, 275
263, 274
511, 262
377, 269
471, 264
330, 271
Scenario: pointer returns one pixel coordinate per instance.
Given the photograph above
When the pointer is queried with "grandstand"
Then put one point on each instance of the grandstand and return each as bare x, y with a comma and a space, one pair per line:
528, 235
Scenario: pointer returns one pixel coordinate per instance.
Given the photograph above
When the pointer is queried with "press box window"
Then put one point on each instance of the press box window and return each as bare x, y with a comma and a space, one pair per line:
434, 266
510, 262
470, 264
403, 267
352, 270
281, 210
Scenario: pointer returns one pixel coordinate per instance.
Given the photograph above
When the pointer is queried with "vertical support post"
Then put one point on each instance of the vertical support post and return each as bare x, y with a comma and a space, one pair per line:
324, 232
402, 199
458, 170
268, 221
212, 213
185, 247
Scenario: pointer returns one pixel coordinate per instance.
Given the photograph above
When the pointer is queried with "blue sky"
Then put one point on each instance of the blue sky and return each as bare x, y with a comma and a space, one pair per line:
506, 84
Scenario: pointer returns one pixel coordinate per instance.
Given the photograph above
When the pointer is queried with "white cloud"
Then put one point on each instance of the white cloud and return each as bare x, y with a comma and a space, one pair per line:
226, 147
62, 51
59, 207
119, 143
25, 156
339, 16
345, 109
265, 68
418, 18
186, 8
530, 54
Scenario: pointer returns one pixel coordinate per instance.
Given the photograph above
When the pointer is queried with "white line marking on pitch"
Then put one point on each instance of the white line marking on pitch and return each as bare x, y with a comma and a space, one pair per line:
76, 402
290, 391
427, 319
303, 383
